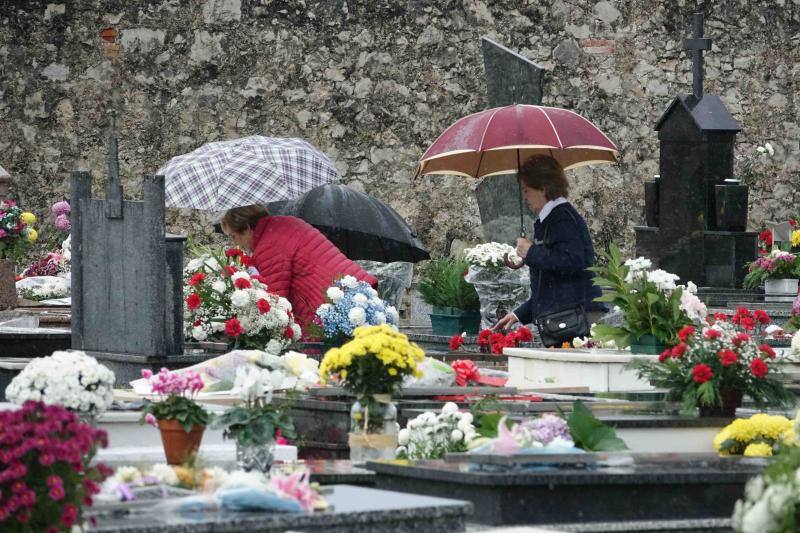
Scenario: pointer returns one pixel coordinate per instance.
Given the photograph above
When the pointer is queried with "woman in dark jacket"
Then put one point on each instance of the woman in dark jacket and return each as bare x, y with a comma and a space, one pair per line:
561, 250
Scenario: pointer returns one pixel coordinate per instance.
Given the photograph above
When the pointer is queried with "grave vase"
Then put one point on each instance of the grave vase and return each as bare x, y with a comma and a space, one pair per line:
448, 321
373, 428
8, 284
648, 345
256, 457
780, 290
731, 400
179, 445
731, 202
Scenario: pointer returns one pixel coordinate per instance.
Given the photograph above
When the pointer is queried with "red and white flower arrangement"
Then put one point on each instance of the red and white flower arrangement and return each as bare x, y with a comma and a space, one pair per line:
226, 300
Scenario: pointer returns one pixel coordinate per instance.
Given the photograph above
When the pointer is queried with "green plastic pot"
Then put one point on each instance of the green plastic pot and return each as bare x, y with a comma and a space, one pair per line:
648, 345
449, 321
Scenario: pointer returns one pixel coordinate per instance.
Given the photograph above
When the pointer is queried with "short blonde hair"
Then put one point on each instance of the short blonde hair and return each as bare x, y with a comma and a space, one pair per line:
239, 219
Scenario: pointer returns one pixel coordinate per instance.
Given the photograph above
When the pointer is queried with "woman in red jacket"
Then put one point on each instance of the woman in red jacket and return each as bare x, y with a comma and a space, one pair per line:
296, 260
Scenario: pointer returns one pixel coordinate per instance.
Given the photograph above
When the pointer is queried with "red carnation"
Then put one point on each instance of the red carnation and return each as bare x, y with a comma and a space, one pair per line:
762, 317
664, 355
242, 283
455, 342
728, 357
685, 333
722, 317
231, 270
702, 373
679, 350
747, 323
193, 301
759, 368
288, 332
197, 278
766, 238
712, 334
263, 306
483, 337
524, 334
233, 328
792, 222
233, 252
247, 260
767, 349
197, 322
740, 338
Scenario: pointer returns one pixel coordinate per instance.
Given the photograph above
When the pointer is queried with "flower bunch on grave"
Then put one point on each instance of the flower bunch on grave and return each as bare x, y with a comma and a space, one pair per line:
350, 303
757, 436
61, 211
491, 255
16, 230
226, 301
747, 165
47, 474
432, 435
494, 341
43, 287
256, 420
709, 364
176, 398
71, 379
775, 265
542, 432
651, 300
500, 289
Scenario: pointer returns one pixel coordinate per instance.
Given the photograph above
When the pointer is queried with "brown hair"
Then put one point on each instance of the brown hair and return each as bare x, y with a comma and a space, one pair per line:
544, 172
239, 219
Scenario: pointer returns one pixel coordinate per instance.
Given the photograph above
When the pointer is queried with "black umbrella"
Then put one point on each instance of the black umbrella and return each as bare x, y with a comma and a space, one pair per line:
361, 226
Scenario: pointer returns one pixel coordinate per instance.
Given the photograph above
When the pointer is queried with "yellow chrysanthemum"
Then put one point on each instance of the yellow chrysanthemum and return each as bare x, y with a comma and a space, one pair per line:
760, 449
721, 437
28, 218
343, 374
32, 235
796, 237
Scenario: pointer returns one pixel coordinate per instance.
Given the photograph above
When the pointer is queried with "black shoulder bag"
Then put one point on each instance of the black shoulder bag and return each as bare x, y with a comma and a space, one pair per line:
557, 327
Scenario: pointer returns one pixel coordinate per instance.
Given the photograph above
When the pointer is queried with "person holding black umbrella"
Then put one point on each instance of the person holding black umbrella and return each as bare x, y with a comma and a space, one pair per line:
562, 290
295, 259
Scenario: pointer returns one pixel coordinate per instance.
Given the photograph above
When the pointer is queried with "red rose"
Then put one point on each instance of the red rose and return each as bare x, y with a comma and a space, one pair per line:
193, 301
762, 317
455, 342
247, 260
728, 357
664, 355
747, 323
242, 283
483, 337
766, 238
524, 334
759, 368
685, 333
263, 306
231, 270
702, 373
197, 278
722, 317
767, 349
740, 338
233, 328
712, 334
233, 252
679, 350
288, 332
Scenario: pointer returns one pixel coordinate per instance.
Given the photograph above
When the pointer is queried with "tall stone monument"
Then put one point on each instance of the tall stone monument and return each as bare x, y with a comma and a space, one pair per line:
699, 208
510, 79
127, 292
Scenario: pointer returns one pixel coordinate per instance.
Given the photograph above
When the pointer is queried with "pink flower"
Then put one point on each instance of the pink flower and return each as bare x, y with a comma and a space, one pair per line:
295, 487
3, 234
505, 444
60, 208
62, 223
150, 419
147, 373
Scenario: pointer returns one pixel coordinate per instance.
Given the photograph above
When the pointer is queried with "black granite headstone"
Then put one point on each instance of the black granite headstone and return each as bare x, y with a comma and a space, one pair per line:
510, 79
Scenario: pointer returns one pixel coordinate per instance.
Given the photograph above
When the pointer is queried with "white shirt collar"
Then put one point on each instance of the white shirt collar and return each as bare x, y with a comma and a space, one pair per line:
549, 206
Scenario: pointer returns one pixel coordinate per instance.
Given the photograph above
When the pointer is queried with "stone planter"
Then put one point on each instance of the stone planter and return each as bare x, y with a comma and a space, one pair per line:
449, 321
178, 444
731, 202
648, 344
780, 290
8, 284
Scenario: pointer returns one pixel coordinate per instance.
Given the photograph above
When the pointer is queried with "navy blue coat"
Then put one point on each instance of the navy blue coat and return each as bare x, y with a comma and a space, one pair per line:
561, 253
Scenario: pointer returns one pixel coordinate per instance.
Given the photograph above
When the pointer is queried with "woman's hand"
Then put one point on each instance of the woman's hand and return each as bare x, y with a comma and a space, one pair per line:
523, 245
506, 322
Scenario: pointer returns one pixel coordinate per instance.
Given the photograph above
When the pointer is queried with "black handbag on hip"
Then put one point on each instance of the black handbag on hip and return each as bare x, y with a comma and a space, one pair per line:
563, 325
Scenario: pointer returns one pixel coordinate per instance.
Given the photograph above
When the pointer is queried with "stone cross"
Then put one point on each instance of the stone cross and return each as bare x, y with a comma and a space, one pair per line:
697, 44
113, 184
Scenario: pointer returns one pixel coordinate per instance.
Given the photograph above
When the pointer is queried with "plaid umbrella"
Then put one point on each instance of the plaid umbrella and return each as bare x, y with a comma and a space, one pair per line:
250, 170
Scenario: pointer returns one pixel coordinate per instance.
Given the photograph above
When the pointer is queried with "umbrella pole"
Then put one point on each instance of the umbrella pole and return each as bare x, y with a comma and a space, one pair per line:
521, 211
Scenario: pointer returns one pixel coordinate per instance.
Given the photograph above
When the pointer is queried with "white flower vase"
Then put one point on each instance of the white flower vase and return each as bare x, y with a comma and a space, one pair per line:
780, 290
373, 429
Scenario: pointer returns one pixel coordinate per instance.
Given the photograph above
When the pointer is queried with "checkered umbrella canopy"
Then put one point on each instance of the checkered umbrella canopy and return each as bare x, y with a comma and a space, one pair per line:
250, 170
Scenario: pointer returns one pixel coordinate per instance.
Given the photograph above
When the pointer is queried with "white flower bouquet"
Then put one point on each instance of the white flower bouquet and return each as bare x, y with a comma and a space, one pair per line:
70, 379
227, 302
431, 435
500, 289
349, 304
491, 255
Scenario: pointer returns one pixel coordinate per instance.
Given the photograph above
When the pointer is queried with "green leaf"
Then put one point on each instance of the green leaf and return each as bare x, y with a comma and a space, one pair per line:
591, 434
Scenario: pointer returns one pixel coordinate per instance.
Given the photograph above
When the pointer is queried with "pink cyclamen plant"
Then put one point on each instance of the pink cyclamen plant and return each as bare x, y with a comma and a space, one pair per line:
177, 392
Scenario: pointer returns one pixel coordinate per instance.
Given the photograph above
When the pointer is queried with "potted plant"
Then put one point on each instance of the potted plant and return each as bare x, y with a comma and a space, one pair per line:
176, 414
713, 367
225, 302
48, 476
456, 306
654, 307
255, 422
500, 289
372, 367
350, 303
778, 271
16, 233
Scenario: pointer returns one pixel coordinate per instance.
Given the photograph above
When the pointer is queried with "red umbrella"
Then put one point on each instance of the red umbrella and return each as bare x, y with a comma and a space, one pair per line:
499, 140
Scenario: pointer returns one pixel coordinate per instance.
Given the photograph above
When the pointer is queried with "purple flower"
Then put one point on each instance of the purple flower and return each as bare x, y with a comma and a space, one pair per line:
60, 208
62, 222
3, 234
548, 427
796, 305
150, 419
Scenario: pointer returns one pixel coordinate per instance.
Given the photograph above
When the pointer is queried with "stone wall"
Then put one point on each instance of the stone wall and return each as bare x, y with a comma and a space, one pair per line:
373, 82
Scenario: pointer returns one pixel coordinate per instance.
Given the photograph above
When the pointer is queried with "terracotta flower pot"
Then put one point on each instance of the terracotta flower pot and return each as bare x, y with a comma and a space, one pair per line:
178, 444
8, 284
731, 400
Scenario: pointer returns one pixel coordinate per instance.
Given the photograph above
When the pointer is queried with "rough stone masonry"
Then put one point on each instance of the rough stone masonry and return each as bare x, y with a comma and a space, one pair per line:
373, 82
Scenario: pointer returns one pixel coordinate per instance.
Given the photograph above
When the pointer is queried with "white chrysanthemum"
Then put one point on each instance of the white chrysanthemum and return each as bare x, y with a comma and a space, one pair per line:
449, 407
357, 316
456, 435
334, 294
402, 437
199, 334
164, 473
350, 282
218, 286
240, 298
297, 331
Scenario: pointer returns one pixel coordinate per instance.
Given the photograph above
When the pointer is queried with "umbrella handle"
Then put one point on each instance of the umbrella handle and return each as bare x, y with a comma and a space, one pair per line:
511, 265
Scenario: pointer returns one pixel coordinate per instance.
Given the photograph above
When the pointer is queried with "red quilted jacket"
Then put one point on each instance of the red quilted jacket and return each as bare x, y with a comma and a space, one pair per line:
300, 263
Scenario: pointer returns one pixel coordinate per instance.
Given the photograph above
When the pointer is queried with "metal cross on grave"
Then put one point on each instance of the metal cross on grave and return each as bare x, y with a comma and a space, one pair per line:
697, 44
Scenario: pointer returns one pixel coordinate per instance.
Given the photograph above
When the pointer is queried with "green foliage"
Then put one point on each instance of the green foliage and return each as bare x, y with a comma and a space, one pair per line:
184, 410
443, 285
647, 310
255, 425
486, 415
589, 433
